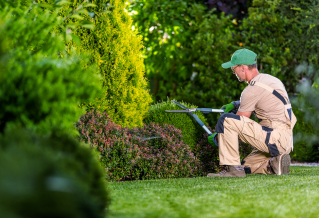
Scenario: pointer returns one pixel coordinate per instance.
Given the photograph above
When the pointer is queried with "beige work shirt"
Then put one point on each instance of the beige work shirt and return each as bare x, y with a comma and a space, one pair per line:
264, 103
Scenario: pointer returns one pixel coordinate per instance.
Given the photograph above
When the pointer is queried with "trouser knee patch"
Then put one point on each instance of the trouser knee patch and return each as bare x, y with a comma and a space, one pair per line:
273, 150
220, 122
247, 170
243, 162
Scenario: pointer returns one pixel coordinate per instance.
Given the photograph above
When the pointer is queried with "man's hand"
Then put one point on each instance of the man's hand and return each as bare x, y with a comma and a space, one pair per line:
212, 139
231, 107
228, 107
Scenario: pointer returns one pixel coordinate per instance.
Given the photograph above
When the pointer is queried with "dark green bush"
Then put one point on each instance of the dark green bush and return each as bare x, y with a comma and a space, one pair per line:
209, 85
191, 131
303, 150
49, 177
130, 154
306, 131
39, 89
265, 31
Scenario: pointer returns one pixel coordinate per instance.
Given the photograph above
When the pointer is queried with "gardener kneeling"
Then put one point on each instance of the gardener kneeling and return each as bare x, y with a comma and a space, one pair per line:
272, 137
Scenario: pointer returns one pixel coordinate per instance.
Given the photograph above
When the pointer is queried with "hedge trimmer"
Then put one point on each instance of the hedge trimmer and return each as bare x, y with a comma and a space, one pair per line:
189, 111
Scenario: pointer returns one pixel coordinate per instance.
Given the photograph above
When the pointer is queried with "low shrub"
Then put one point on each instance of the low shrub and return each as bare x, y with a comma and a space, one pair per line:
150, 152
49, 177
190, 129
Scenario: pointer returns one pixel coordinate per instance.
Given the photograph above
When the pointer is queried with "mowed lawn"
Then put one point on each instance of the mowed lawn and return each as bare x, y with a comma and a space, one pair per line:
295, 195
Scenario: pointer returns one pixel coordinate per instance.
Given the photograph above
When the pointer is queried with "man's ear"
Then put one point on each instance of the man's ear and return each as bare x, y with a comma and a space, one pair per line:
243, 68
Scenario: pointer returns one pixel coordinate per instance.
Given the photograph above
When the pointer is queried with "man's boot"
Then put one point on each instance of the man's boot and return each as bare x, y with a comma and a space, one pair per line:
280, 164
231, 171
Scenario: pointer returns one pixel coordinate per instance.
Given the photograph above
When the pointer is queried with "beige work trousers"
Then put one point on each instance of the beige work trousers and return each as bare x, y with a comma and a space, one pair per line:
268, 141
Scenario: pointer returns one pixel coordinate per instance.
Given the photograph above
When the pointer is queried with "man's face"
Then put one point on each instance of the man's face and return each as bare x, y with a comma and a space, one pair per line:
240, 74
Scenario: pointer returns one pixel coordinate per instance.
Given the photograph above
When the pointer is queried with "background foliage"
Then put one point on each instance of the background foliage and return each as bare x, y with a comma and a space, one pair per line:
276, 30
237, 8
306, 139
185, 46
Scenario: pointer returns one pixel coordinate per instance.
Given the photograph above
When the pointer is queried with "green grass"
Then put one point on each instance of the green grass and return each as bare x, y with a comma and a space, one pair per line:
295, 195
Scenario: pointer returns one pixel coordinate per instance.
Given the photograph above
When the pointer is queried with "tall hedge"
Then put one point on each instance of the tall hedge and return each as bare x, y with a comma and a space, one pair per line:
116, 49
39, 89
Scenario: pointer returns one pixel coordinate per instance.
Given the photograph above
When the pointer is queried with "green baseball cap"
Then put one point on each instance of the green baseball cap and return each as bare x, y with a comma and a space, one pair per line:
241, 57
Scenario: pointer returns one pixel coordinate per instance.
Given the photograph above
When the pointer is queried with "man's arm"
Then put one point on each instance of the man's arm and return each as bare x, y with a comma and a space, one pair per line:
236, 105
246, 114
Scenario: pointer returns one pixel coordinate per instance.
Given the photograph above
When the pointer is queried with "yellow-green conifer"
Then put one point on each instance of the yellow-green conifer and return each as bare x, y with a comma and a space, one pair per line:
116, 49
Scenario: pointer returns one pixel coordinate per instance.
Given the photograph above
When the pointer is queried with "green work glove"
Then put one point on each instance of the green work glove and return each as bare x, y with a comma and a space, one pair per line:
212, 139
228, 107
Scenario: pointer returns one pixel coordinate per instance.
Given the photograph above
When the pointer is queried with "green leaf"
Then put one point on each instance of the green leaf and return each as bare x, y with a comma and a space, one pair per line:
68, 37
86, 22
177, 23
76, 39
44, 5
76, 16
72, 26
106, 12
62, 2
296, 9
89, 5
88, 26
82, 11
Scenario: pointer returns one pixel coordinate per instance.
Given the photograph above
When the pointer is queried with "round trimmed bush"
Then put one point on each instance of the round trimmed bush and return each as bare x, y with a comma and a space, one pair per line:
190, 129
49, 177
39, 89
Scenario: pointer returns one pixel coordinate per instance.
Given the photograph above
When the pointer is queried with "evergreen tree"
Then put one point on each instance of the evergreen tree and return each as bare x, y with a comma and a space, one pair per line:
116, 49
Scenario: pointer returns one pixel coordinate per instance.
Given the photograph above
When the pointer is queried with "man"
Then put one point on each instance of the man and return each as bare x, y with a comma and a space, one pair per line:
272, 137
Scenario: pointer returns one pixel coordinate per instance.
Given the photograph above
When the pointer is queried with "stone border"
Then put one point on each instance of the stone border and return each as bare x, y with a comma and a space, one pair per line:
304, 164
